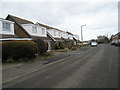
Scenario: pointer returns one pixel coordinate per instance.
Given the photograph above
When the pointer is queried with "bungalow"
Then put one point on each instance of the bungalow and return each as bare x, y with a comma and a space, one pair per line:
27, 29
57, 35
38, 32
74, 39
7, 31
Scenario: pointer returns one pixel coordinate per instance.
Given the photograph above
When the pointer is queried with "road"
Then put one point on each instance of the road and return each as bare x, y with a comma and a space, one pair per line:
96, 67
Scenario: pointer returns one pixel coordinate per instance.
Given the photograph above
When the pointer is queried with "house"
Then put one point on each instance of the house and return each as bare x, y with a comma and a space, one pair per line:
7, 31
38, 32
27, 29
76, 39
57, 35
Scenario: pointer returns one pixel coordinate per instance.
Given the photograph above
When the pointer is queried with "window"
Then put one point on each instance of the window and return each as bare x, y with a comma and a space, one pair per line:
59, 34
6, 26
54, 33
34, 29
43, 31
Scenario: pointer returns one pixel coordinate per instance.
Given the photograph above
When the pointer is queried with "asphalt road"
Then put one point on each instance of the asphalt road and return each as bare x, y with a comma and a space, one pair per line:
96, 67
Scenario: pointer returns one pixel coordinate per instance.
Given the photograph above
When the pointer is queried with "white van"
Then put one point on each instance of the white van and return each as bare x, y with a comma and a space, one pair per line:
94, 44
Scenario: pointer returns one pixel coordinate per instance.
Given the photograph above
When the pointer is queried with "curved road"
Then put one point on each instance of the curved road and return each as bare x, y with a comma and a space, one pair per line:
96, 67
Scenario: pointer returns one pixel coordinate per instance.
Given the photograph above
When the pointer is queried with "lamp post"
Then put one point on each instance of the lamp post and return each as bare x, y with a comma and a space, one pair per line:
82, 32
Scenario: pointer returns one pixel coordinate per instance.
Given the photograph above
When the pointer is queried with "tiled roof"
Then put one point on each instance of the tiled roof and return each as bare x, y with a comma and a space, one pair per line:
20, 20
69, 33
49, 27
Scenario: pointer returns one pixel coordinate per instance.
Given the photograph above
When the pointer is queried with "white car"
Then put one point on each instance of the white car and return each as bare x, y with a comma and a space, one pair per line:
94, 43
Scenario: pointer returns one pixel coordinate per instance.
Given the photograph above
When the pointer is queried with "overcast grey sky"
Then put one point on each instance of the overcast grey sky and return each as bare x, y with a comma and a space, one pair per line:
100, 17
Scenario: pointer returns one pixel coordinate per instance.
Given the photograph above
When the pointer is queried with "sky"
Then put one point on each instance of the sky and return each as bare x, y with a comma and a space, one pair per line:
100, 17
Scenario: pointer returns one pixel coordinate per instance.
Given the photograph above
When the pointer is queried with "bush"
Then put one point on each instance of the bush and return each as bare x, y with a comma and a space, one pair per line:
57, 46
61, 45
41, 46
18, 50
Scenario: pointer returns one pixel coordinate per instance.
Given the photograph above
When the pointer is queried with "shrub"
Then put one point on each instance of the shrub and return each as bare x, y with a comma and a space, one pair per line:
61, 45
57, 46
18, 50
41, 46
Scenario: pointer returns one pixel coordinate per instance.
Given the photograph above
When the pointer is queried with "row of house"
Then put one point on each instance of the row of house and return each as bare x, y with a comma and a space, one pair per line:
15, 28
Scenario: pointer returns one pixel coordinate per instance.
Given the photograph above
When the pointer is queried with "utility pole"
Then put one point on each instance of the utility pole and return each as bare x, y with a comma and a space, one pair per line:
82, 32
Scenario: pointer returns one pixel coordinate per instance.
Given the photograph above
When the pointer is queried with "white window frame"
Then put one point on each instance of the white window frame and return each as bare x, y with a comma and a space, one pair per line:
55, 33
34, 29
43, 31
5, 28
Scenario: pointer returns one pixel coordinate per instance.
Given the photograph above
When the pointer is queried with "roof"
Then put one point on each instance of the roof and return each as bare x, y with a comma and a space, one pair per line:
118, 33
75, 39
19, 21
49, 27
69, 33
49, 35
65, 39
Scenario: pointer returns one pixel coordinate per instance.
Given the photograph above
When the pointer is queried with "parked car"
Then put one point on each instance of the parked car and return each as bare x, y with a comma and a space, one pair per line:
94, 44
86, 43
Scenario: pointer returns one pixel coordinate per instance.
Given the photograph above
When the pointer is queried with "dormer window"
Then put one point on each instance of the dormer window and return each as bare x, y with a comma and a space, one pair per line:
34, 29
6, 26
54, 33
43, 31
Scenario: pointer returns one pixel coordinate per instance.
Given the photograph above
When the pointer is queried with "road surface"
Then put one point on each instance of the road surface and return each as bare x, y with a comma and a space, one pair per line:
96, 67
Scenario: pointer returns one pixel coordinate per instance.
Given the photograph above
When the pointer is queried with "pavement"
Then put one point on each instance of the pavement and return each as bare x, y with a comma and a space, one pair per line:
96, 67
14, 71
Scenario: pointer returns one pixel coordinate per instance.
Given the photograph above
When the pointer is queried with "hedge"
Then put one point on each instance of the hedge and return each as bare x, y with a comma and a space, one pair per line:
16, 50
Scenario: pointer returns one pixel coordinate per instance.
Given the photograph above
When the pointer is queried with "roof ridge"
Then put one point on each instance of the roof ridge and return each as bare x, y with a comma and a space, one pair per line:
20, 18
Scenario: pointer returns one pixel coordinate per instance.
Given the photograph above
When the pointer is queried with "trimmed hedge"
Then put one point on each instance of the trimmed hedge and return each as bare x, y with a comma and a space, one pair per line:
16, 50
